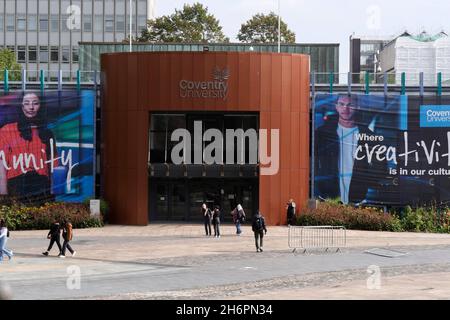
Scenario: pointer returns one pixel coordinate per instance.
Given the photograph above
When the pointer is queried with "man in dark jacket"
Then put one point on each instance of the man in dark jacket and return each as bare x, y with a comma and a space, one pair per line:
55, 236
339, 173
259, 229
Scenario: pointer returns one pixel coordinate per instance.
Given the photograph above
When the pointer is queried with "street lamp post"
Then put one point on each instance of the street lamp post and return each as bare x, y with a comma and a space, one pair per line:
279, 27
131, 17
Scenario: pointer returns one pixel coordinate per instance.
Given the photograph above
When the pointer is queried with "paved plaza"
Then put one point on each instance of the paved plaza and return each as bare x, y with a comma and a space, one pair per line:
177, 261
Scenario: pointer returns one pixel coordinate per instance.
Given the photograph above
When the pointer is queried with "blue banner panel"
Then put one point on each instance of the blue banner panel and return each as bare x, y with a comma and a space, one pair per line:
47, 146
434, 116
382, 150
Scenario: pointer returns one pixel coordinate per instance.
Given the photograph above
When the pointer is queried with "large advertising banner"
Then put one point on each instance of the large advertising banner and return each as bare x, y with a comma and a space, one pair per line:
373, 149
47, 146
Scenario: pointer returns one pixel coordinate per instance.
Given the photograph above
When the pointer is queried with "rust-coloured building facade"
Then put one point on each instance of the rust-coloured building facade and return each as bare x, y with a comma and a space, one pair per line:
136, 86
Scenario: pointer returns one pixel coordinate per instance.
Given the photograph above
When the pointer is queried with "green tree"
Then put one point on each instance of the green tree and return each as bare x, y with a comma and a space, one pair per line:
8, 61
263, 28
192, 24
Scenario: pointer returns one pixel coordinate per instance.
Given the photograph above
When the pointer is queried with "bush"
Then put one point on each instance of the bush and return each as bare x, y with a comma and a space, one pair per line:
333, 214
413, 220
19, 217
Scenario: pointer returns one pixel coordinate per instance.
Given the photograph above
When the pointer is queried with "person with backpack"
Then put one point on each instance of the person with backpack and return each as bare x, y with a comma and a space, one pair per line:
238, 218
291, 212
206, 213
216, 221
259, 229
67, 234
55, 237
4, 234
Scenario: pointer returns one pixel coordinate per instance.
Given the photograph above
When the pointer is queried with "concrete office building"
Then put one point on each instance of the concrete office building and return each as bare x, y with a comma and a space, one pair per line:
44, 34
364, 55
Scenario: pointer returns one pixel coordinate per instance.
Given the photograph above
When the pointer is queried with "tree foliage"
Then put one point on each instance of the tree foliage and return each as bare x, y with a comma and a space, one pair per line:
192, 24
263, 28
8, 61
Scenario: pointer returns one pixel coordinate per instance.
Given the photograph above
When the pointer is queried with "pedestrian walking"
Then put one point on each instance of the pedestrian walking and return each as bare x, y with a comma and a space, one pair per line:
4, 234
238, 218
67, 234
259, 229
216, 221
55, 237
207, 215
290, 207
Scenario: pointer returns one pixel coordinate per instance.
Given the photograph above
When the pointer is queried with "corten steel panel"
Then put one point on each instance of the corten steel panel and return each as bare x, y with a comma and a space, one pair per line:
132, 85
143, 64
285, 143
276, 85
244, 82
295, 147
286, 83
255, 85
295, 78
266, 82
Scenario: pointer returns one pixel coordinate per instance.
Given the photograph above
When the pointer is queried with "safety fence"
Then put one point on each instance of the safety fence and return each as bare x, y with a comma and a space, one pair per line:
320, 237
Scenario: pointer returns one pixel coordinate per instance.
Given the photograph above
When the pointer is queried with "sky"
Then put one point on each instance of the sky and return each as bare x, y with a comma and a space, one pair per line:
329, 21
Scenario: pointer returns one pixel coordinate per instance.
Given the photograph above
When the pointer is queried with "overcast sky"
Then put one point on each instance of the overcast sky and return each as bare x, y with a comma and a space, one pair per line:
329, 21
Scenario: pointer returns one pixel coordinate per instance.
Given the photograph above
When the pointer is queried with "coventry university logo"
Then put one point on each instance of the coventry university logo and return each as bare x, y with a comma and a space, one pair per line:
217, 88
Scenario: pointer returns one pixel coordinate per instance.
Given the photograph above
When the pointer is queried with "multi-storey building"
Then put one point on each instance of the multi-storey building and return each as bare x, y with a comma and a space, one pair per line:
44, 34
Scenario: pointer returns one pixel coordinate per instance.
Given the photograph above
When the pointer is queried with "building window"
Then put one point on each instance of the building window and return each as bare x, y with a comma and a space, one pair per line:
87, 23
21, 23
98, 23
120, 24
142, 23
21, 54
54, 24
32, 22
1, 22
43, 22
10, 23
43, 54
109, 24
75, 54
31, 54
65, 54
54, 54
64, 19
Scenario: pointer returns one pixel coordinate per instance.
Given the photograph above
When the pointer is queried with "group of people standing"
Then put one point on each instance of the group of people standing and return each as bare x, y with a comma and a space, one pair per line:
239, 216
211, 217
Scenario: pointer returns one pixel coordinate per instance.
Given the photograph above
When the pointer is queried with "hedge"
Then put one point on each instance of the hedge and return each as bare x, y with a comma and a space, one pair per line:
19, 217
331, 213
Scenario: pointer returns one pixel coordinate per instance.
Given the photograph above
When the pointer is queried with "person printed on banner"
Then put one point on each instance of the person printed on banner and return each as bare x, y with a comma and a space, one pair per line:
259, 230
339, 174
207, 216
54, 235
29, 137
216, 221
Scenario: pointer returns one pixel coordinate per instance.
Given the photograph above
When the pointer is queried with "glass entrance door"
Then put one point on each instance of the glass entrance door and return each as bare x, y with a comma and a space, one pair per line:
181, 199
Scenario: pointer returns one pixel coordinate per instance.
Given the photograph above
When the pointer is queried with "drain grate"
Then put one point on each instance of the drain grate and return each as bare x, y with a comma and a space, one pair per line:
388, 253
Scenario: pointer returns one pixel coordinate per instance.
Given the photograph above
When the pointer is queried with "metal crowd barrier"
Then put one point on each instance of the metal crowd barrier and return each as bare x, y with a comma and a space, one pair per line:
323, 237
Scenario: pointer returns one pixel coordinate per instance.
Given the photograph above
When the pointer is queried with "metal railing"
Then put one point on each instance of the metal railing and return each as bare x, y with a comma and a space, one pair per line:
40, 79
323, 237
